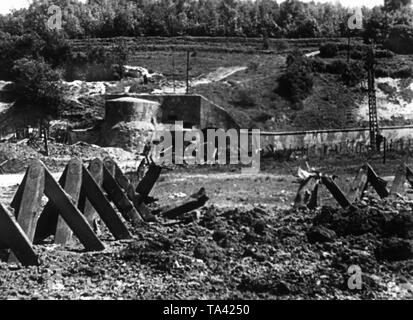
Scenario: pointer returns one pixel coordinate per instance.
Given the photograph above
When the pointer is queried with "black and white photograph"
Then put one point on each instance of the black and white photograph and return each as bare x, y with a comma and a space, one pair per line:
221, 152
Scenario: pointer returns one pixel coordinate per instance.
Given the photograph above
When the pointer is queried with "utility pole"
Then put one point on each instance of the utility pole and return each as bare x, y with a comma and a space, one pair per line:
173, 68
187, 72
373, 121
348, 46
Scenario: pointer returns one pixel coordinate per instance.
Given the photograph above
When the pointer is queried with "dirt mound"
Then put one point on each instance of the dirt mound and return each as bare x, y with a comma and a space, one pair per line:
383, 221
243, 253
390, 222
395, 249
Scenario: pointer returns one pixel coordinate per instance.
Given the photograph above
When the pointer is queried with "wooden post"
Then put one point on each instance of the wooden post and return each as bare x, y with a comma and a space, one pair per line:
46, 138
187, 72
348, 46
173, 68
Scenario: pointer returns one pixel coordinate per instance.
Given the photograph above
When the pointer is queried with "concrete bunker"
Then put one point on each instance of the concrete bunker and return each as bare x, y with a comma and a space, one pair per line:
129, 123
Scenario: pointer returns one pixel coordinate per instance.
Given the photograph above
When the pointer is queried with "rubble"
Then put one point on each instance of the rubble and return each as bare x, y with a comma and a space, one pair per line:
395, 249
320, 234
252, 251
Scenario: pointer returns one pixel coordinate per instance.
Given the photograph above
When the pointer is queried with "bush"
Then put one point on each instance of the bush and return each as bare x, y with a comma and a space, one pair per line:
245, 98
297, 58
16, 47
353, 74
382, 72
118, 71
328, 50
253, 66
399, 72
263, 117
338, 66
53, 48
281, 45
403, 72
56, 50
319, 65
357, 54
400, 39
265, 42
360, 54
354, 46
38, 83
97, 63
384, 54
297, 83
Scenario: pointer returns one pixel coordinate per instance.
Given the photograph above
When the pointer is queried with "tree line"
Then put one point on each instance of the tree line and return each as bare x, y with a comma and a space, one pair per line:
35, 58
243, 18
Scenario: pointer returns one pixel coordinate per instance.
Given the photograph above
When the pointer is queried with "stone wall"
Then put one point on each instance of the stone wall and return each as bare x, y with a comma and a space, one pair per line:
304, 139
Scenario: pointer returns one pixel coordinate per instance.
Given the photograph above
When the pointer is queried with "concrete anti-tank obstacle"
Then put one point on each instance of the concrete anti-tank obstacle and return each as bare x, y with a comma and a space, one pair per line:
81, 187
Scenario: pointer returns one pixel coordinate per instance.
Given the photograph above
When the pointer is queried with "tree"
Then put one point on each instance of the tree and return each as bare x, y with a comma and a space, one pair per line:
38, 83
251, 18
123, 22
56, 50
392, 5
227, 10
376, 27
297, 82
307, 28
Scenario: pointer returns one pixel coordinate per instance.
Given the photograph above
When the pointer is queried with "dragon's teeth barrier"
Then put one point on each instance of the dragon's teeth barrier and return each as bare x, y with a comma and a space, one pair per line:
76, 201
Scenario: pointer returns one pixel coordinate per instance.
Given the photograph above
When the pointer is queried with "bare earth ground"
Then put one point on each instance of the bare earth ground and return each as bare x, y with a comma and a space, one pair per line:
247, 243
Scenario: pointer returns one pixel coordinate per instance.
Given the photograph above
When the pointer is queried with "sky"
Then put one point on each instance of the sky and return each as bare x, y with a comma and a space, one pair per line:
7, 5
